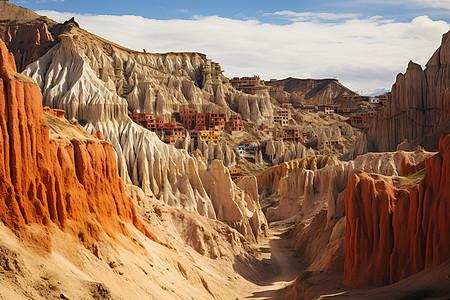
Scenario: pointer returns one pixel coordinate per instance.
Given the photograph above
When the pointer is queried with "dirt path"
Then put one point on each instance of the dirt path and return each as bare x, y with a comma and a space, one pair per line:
282, 269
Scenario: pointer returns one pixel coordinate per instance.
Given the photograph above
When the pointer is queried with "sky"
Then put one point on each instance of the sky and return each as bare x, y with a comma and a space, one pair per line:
362, 43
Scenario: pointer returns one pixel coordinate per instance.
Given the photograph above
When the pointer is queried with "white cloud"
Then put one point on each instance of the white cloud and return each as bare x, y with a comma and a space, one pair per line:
304, 16
362, 53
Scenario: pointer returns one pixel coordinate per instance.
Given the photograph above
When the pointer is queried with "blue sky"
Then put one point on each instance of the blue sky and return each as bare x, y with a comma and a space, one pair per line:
363, 43
400, 10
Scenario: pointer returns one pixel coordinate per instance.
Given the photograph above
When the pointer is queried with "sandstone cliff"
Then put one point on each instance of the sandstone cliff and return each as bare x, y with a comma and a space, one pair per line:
419, 109
236, 205
92, 99
268, 180
69, 180
309, 190
152, 83
26, 34
98, 83
393, 233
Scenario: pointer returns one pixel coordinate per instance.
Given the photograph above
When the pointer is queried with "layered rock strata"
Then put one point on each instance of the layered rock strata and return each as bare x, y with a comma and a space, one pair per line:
69, 180
393, 233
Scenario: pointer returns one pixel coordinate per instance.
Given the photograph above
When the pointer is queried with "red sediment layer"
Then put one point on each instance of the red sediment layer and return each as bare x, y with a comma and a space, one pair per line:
394, 233
72, 183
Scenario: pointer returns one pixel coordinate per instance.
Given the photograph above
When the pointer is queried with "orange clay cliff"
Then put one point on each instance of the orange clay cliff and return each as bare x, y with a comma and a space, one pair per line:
394, 233
71, 182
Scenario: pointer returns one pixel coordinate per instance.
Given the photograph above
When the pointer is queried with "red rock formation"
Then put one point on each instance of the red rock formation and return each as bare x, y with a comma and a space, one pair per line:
59, 113
73, 183
28, 35
407, 167
394, 233
28, 42
419, 109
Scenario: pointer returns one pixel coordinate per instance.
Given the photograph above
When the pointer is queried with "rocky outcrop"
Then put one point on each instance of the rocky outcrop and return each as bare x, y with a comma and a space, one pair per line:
307, 91
419, 109
210, 151
279, 152
393, 233
319, 138
28, 35
269, 179
11, 12
151, 83
308, 191
143, 160
238, 206
91, 91
408, 168
28, 42
48, 175
98, 83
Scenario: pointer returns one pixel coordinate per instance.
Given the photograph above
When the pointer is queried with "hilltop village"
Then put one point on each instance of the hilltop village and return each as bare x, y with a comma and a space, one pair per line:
191, 125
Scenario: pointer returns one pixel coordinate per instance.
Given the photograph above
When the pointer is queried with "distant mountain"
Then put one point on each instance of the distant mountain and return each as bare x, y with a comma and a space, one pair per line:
308, 91
373, 93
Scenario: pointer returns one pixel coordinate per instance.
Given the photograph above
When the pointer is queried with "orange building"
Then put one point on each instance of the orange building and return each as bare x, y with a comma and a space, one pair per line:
159, 123
145, 120
235, 174
361, 119
281, 116
169, 140
217, 122
188, 118
202, 121
171, 130
292, 135
235, 123
384, 99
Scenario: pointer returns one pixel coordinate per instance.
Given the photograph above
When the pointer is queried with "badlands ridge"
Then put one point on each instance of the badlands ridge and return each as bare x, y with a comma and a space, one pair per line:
95, 206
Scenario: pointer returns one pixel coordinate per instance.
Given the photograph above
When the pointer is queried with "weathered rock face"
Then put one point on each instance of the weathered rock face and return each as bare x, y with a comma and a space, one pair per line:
407, 167
96, 82
394, 233
280, 151
11, 12
28, 35
309, 190
269, 179
161, 170
28, 42
70, 180
308, 91
238, 206
85, 80
419, 109
211, 151
152, 83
